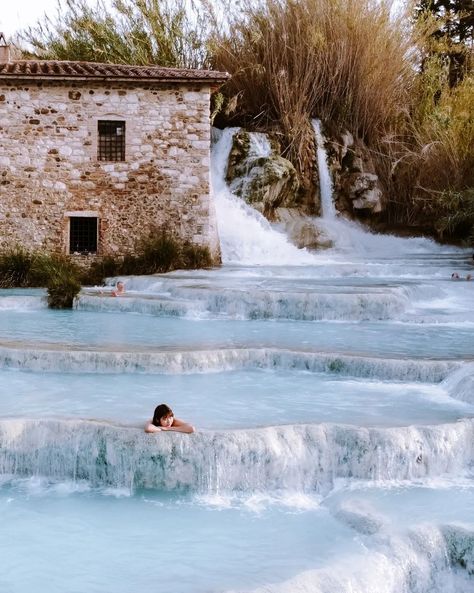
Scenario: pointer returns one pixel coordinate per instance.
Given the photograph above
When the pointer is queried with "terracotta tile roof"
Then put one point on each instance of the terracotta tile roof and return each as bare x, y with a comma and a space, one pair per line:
32, 69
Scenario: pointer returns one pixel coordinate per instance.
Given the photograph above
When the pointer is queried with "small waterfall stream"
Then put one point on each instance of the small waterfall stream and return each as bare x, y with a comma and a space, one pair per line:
349, 236
328, 210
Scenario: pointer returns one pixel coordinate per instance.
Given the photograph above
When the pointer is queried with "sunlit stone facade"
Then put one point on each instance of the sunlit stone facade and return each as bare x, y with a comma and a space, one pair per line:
56, 165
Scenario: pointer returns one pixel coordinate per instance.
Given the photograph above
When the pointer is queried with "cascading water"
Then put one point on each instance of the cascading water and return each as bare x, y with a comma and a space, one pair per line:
246, 236
328, 210
349, 236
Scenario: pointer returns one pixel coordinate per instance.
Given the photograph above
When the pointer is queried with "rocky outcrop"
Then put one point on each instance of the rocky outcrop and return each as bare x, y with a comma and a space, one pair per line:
364, 191
269, 183
356, 186
258, 174
302, 230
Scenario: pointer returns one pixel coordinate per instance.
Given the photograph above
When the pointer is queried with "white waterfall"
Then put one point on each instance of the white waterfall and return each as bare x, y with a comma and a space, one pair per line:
259, 145
328, 211
246, 236
351, 236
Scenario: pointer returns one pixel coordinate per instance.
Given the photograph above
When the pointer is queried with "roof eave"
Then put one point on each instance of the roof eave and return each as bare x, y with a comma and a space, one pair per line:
30, 77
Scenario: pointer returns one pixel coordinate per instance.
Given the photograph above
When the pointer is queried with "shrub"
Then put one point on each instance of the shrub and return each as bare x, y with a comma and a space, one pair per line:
21, 268
101, 268
63, 287
129, 265
427, 166
456, 211
49, 265
159, 252
195, 256
162, 252
61, 276
15, 267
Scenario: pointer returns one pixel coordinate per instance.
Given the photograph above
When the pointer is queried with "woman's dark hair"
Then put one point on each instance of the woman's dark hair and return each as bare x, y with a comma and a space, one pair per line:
160, 412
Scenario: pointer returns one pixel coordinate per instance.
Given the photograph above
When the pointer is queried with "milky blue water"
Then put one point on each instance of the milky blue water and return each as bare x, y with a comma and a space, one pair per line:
235, 399
244, 350
111, 331
96, 541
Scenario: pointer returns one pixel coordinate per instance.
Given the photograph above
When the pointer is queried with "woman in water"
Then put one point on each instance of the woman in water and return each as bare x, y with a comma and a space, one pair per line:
119, 289
163, 419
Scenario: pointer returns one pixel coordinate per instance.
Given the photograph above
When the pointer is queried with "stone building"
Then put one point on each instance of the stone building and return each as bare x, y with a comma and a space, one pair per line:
93, 156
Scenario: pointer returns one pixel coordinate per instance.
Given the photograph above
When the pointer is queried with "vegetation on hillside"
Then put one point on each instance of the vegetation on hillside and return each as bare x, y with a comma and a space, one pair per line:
403, 84
347, 63
430, 153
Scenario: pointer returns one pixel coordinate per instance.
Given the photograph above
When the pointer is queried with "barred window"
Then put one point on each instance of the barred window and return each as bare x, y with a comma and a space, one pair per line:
83, 234
111, 145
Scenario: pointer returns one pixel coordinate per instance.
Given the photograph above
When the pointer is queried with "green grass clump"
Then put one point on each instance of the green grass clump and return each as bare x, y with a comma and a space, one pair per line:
21, 268
158, 253
61, 276
161, 252
456, 211
62, 290
15, 267
195, 256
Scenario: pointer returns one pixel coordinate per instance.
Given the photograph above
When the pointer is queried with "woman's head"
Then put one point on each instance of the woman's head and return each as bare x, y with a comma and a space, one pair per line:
163, 416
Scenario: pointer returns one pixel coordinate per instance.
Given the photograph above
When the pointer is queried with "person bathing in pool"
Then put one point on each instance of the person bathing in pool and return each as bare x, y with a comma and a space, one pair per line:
164, 419
119, 289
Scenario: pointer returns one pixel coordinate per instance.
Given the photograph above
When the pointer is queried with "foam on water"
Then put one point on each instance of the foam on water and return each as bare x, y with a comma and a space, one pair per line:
318, 553
460, 385
426, 560
363, 305
94, 552
313, 293
22, 303
431, 500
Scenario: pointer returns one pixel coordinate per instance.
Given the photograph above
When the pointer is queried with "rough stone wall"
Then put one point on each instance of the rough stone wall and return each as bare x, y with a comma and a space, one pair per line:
49, 168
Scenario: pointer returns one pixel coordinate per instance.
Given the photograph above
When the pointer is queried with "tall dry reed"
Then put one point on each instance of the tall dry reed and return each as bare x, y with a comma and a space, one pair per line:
345, 61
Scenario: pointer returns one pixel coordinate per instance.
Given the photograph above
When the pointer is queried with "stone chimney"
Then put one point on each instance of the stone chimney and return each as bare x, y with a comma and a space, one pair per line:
4, 49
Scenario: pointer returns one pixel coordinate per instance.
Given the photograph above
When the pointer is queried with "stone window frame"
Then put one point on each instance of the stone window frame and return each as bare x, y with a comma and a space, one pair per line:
80, 214
94, 133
